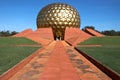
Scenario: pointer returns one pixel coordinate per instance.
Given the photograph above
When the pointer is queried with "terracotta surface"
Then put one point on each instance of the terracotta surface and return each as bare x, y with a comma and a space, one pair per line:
8, 74
59, 61
24, 33
40, 40
93, 32
45, 33
34, 69
85, 69
59, 66
44, 36
75, 36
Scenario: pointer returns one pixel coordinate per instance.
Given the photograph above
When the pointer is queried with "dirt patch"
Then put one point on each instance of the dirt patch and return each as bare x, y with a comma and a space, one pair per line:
89, 45
30, 45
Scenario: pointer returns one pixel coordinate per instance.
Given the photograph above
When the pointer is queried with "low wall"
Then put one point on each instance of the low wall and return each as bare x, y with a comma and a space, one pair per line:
112, 74
17, 67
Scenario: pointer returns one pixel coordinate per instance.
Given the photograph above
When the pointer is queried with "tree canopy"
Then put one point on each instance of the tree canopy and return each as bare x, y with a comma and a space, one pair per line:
91, 27
111, 33
7, 33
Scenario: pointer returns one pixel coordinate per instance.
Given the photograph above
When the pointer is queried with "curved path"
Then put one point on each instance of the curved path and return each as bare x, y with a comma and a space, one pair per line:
59, 61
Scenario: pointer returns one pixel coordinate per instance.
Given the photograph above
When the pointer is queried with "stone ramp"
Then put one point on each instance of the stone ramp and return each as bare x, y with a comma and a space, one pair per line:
51, 64
85, 69
44, 36
34, 69
45, 33
40, 40
59, 61
74, 36
24, 33
59, 66
93, 32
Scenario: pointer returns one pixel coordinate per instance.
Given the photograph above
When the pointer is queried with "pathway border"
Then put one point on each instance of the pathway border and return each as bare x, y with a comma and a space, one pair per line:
112, 74
20, 65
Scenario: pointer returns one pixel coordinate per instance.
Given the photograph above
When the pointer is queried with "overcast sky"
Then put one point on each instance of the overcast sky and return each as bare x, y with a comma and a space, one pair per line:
18, 15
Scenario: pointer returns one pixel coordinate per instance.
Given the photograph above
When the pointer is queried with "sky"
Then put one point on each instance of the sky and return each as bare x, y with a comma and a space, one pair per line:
18, 15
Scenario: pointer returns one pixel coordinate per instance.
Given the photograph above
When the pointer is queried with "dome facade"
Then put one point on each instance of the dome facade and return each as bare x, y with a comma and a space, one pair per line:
58, 15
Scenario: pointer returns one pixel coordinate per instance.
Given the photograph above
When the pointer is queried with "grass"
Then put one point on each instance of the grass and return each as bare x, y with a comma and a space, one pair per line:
108, 54
103, 40
15, 41
11, 55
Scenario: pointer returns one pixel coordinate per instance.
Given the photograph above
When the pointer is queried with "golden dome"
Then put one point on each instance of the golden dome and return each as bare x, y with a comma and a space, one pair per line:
58, 15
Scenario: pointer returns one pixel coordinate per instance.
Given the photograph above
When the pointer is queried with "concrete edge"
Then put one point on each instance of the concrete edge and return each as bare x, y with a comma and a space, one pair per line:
18, 66
112, 74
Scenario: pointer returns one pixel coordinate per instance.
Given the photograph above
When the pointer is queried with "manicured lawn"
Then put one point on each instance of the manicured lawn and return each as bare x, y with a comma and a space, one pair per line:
108, 53
11, 55
15, 41
103, 40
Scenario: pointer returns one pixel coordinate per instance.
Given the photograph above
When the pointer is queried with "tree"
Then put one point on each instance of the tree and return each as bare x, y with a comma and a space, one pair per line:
7, 33
13, 32
111, 33
91, 27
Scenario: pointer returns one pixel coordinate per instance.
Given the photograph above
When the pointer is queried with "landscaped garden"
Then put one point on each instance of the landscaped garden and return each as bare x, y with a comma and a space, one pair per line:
13, 50
104, 49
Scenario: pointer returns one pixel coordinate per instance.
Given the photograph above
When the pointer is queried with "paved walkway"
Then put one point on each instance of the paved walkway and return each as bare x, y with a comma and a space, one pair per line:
59, 61
59, 66
34, 69
85, 69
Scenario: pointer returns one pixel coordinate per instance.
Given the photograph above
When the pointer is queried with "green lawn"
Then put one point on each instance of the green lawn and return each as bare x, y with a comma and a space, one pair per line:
110, 40
11, 55
15, 41
108, 53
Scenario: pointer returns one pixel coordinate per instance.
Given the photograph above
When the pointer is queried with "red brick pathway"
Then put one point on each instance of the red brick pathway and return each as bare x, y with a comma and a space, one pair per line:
34, 69
85, 69
59, 61
59, 66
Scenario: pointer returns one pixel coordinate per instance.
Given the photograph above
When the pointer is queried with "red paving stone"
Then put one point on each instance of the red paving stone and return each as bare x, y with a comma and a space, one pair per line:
59, 61
59, 66
85, 69
35, 67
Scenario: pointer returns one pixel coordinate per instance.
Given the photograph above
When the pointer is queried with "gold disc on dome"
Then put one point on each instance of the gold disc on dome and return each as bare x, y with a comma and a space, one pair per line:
58, 15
